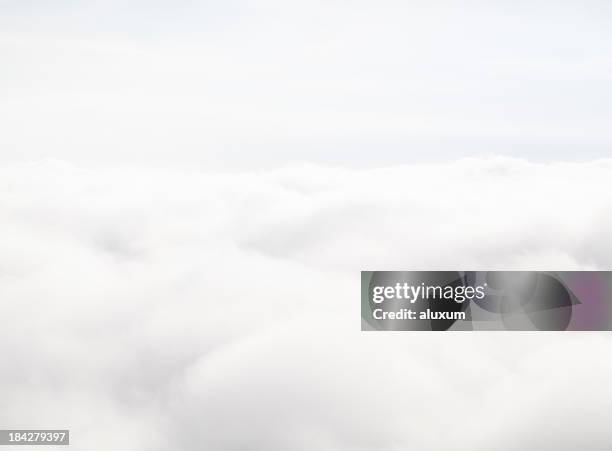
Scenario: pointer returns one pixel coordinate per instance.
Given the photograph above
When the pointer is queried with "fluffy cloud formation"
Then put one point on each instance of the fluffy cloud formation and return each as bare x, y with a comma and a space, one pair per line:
163, 310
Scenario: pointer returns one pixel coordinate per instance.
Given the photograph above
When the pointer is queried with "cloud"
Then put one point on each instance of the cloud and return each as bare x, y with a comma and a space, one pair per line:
152, 310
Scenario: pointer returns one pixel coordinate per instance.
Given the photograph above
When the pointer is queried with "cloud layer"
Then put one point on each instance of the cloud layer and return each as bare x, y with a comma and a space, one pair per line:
182, 310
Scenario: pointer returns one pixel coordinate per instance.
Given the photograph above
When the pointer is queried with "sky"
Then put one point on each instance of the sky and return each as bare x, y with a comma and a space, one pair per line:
262, 84
189, 191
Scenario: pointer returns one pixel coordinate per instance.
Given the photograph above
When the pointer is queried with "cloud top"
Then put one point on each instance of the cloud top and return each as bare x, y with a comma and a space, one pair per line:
220, 311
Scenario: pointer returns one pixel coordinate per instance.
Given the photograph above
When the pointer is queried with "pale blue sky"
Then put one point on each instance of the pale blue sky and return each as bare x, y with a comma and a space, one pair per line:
266, 83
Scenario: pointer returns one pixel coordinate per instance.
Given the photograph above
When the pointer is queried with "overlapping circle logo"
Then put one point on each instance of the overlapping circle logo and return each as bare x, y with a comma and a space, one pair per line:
526, 300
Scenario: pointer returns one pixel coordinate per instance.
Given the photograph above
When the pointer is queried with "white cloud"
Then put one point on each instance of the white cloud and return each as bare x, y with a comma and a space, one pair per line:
188, 310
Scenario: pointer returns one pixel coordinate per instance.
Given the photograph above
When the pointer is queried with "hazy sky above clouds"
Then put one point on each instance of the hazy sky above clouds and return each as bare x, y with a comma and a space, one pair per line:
264, 83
